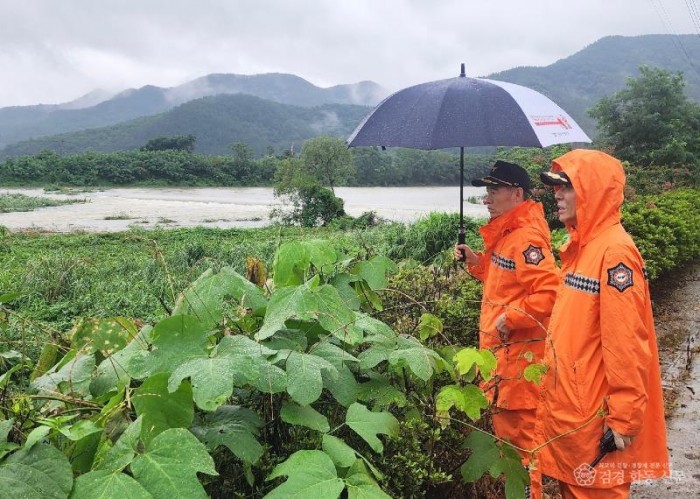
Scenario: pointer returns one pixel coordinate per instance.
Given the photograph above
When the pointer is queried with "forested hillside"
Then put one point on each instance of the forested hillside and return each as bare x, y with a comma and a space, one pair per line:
25, 122
217, 122
577, 82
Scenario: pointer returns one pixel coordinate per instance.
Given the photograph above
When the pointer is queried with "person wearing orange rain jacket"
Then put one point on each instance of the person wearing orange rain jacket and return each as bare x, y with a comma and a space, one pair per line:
520, 279
602, 360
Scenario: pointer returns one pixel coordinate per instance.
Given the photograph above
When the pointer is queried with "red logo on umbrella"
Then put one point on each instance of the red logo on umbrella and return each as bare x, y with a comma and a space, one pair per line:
549, 120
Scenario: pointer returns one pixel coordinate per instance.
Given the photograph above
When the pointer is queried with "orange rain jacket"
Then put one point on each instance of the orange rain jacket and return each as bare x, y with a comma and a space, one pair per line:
520, 278
602, 352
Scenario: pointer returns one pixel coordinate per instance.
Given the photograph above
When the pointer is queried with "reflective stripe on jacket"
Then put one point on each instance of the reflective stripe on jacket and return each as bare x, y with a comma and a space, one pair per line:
603, 364
520, 278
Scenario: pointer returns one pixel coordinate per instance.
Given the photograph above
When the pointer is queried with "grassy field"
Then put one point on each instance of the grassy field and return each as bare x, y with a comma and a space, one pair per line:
19, 202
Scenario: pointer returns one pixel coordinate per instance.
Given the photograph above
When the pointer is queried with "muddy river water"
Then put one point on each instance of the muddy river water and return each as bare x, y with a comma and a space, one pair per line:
118, 209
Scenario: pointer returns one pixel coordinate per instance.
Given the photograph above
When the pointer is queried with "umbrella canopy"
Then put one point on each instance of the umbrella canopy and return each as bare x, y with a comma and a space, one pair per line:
466, 112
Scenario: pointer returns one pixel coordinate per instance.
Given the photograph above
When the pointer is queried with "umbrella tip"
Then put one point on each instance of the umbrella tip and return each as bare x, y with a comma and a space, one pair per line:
462, 74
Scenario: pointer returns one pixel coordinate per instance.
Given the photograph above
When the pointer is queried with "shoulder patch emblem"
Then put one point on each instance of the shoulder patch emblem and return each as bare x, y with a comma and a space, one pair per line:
620, 277
533, 255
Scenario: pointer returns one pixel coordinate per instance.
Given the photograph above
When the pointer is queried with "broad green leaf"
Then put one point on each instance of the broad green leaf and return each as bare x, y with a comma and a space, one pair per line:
5, 377
361, 485
169, 467
304, 380
373, 326
105, 484
291, 264
36, 435
122, 453
342, 454
160, 408
467, 357
112, 373
83, 453
429, 326
485, 454
333, 354
176, 340
5, 446
72, 378
510, 466
369, 424
310, 474
205, 297
469, 399
374, 271
310, 302
375, 355
106, 336
296, 414
381, 392
534, 373
367, 295
321, 253
211, 379
8, 297
344, 284
250, 364
41, 472
343, 387
232, 426
80, 430
411, 354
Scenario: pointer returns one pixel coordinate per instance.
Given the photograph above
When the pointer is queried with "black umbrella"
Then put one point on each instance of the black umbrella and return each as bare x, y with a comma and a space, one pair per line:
466, 112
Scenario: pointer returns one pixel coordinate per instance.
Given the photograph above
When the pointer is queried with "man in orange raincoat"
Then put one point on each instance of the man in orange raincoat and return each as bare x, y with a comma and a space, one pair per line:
602, 360
520, 280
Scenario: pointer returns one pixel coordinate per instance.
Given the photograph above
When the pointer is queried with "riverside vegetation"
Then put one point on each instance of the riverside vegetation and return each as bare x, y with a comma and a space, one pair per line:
274, 362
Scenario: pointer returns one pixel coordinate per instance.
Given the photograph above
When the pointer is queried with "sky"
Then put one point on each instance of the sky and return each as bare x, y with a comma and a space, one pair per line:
54, 51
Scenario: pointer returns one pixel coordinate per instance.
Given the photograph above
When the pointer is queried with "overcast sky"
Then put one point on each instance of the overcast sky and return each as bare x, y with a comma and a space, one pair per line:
54, 51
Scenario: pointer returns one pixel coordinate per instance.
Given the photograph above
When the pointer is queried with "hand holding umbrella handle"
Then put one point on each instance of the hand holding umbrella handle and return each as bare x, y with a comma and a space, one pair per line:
461, 239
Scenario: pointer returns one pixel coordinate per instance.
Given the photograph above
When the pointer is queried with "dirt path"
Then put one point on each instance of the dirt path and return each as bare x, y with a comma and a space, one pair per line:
677, 315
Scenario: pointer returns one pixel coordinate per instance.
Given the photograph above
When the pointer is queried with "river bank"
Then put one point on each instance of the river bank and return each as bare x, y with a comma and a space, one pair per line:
114, 210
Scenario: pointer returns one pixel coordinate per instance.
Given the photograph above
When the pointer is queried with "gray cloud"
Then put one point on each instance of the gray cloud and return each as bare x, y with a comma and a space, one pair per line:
56, 51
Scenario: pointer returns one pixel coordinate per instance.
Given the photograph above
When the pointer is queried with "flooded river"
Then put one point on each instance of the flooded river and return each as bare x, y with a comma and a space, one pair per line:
118, 209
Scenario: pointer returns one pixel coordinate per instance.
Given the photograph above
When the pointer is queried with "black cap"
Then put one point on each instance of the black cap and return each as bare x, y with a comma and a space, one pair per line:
555, 178
505, 174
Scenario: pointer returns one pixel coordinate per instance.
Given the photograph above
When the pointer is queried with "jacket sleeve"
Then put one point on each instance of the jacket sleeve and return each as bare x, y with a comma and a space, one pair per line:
537, 272
625, 339
478, 270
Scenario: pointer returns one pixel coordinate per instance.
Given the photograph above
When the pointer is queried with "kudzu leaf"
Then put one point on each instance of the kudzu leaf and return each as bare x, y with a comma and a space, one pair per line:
485, 454
344, 284
467, 357
411, 354
310, 474
106, 336
160, 408
122, 453
304, 381
469, 399
104, 483
170, 465
361, 485
374, 327
234, 427
374, 271
375, 355
510, 466
333, 354
250, 364
205, 297
175, 340
343, 387
342, 454
534, 372
321, 253
73, 377
40, 472
112, 372
429, 326
296, 414
369, 424
211, 379
381, 392
291, 264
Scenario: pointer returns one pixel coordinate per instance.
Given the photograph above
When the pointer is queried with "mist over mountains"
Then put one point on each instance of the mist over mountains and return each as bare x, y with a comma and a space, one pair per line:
283, 110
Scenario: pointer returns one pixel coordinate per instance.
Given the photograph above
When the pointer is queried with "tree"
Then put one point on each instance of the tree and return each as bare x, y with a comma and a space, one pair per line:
178, 143
651, 121
328, 160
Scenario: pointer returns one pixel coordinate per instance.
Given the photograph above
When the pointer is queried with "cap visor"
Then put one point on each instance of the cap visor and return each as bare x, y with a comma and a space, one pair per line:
555, 178
489, 182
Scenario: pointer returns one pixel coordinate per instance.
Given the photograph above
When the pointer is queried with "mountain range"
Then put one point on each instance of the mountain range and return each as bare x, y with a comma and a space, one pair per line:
283, 110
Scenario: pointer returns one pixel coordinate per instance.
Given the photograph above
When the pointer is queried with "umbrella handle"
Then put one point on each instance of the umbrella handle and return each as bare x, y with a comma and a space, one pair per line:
461, 239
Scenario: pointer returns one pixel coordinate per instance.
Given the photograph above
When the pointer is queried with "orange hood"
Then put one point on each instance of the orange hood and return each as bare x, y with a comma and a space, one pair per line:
599, 193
